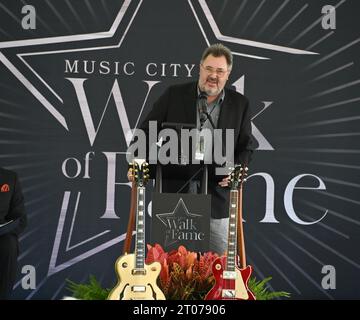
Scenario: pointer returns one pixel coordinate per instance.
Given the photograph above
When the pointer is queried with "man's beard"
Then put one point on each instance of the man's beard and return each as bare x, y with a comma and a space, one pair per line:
210, 91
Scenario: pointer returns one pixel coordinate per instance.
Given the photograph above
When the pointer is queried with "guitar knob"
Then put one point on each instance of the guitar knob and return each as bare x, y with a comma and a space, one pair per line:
124, 265
218, 266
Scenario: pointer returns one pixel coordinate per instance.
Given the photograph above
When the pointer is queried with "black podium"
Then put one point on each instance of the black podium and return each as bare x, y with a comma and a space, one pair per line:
180, 218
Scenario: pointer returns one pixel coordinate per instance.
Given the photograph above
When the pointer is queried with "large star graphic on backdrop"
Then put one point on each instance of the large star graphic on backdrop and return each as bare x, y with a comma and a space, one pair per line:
112, 38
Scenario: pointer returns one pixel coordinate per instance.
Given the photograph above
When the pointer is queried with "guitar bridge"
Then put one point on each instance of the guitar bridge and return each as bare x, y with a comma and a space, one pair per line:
231, 275
228, 293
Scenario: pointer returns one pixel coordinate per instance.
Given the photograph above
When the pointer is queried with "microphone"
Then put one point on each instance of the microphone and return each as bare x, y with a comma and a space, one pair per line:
203, 95
203, 109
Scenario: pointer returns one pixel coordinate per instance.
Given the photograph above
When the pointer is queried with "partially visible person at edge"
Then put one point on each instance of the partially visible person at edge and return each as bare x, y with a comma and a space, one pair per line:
228, 109
12, 222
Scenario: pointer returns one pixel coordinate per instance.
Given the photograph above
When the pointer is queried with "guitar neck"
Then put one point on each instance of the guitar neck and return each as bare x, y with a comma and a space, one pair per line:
140, 229
236, 234
232, 245
241, 240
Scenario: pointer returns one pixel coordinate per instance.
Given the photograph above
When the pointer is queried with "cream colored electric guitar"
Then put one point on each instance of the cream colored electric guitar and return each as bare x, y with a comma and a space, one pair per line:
137, 280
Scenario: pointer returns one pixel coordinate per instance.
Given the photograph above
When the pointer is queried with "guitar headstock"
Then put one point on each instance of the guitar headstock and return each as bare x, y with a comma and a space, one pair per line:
238, 176
139, 169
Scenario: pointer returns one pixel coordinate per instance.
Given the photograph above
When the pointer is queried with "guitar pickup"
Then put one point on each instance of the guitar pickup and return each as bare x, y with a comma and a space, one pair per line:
138, 272
138, 288
229, 275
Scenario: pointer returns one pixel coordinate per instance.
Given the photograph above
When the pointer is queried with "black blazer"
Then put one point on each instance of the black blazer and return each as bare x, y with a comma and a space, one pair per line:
178, 104
11, 201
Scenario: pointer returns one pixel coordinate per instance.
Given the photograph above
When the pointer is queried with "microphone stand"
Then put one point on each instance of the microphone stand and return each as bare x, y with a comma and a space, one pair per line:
203, 110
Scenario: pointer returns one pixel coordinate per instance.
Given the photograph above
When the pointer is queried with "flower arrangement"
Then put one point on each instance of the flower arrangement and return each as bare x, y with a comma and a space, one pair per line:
184, 275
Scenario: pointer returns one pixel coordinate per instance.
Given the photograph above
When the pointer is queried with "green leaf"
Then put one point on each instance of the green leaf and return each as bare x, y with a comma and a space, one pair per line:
90, 291
261, 291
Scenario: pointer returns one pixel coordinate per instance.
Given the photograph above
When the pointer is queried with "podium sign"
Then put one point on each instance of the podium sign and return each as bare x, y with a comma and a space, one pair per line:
181, 219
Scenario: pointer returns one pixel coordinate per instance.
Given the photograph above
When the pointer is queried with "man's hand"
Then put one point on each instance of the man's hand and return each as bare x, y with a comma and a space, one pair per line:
224, 182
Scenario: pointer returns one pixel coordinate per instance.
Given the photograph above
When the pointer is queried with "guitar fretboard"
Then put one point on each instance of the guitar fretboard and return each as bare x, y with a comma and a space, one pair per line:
232, 248
140, 229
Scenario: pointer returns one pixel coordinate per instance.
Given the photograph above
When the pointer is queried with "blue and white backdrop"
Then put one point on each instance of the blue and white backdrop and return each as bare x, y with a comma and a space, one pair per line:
76, 77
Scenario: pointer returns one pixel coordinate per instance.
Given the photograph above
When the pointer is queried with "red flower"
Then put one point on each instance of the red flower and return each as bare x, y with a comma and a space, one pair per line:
184, 274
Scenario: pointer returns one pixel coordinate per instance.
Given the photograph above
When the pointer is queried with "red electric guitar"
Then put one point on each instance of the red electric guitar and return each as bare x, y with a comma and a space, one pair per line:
230, 272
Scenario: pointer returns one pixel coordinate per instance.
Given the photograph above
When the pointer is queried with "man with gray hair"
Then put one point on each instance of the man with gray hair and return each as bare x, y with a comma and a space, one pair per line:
207, 104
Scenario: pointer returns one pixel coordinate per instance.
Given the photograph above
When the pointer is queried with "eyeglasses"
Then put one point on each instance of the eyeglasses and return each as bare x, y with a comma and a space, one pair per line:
219, 72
